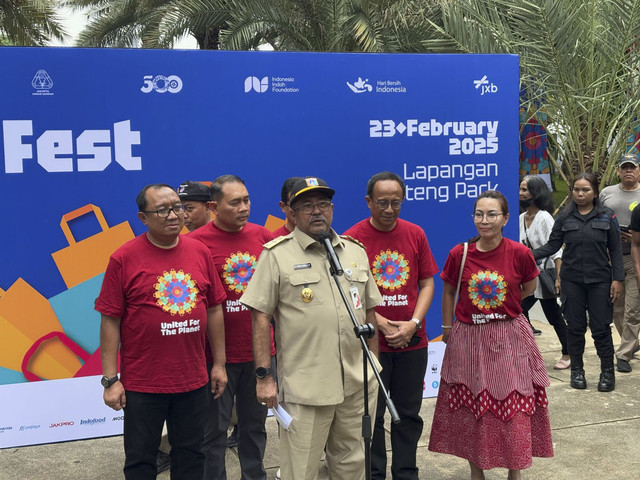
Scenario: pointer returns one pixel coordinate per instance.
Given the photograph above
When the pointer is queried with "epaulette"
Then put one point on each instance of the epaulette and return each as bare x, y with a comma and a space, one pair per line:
269, 245
347, 237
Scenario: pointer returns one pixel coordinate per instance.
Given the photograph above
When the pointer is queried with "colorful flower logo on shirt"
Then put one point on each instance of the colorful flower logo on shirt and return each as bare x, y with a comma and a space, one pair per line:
487, 290
238, 270
176, 292
390, 270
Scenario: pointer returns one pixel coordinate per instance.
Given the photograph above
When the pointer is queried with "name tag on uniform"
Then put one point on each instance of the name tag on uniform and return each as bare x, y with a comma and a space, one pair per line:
355, 297
301, 266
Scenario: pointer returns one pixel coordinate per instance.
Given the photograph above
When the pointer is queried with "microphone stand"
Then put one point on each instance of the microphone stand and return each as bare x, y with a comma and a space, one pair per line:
363, 332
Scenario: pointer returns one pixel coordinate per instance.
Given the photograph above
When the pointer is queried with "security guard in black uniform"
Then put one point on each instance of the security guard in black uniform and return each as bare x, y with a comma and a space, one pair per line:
591, 275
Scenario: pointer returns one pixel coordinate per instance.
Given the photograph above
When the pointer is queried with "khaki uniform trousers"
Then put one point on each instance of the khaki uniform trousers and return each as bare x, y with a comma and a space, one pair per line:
626, 312
339, 427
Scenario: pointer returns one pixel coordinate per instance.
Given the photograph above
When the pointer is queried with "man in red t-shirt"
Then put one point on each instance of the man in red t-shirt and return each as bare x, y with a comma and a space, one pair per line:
235, 245
160, 298
285, 196
403, 268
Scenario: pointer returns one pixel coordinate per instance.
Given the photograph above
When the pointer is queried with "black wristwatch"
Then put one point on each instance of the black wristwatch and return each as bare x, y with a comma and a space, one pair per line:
107, 382
262, 372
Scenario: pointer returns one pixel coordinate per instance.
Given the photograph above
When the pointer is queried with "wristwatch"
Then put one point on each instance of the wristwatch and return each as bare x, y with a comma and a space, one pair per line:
417, 322
107, 382
262, 372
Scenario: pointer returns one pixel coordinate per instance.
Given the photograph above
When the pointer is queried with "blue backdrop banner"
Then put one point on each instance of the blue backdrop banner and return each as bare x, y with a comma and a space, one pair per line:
84, 130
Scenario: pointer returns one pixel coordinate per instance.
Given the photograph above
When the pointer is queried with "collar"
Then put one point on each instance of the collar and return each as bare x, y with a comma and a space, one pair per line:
306, 241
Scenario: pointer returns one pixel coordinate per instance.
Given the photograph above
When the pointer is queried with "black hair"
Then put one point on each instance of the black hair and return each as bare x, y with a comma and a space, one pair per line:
541, 196
384, 176
216, 186
141, 199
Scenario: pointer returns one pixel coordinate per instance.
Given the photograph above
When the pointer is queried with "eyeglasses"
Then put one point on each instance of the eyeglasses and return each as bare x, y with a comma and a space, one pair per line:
307, 208
165, 212
490, 216
384, 204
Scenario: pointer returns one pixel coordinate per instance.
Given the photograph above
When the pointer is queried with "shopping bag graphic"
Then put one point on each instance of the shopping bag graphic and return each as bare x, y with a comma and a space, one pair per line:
87, 258
75, 312
273, 223
27, 319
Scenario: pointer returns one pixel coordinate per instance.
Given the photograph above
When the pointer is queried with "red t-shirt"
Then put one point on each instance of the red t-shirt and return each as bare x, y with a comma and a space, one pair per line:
281, 231
490, 289
235, 255
398, 259
161, 296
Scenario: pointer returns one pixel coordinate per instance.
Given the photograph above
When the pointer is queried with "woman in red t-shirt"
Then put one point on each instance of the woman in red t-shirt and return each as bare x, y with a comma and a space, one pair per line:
492, 405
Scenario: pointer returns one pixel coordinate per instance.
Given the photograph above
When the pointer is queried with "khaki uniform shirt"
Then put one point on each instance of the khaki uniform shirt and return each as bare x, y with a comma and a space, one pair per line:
319, 356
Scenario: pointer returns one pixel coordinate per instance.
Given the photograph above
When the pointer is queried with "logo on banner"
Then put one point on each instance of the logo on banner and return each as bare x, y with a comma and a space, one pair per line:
29, 427
381, 86
93, 421
69, 423
485, 86
360, 86
161, 84
273, 84
256, 84
42, 83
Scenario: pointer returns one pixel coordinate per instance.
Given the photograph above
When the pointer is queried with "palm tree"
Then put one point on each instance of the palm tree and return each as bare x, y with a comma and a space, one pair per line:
29, 22
311, 25
578, 62
330, 25
151, 23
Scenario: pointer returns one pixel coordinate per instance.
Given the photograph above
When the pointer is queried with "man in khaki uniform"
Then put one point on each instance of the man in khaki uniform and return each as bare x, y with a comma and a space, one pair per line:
319, 357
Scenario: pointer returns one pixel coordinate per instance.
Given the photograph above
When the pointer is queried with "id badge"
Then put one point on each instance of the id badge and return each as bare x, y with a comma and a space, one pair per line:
355, 297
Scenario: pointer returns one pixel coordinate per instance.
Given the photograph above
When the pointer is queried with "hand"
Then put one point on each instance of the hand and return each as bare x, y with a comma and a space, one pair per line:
266, 391
115, 396
625, 237
218, 380
403, 334
384, 327
558, 285
615, 291
446, 332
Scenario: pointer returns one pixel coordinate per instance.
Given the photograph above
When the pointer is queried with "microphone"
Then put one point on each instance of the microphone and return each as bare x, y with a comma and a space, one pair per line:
325, 239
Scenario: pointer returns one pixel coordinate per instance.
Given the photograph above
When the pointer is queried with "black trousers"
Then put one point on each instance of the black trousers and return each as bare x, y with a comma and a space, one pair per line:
578, 299
403, 375
144, 416
252, 434
552, 311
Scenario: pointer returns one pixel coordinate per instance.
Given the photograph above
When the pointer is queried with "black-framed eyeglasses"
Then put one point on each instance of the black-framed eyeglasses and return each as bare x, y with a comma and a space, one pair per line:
384, 204
165, 212
490, 216
309, 207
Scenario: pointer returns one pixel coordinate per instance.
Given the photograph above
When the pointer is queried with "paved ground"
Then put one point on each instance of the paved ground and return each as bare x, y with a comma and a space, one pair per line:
596, 436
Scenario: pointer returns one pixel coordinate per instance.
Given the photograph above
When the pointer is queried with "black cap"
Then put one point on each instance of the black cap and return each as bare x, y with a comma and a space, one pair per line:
194, 191
310, 184
629, 158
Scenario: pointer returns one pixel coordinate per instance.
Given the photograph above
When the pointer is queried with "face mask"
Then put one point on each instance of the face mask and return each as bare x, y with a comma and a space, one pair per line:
524, 204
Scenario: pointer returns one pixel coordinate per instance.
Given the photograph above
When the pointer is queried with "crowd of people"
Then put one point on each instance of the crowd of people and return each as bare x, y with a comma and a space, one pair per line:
214, 327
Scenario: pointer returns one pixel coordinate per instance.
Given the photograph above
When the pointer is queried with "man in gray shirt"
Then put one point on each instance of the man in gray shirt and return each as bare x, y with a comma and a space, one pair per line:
622, 199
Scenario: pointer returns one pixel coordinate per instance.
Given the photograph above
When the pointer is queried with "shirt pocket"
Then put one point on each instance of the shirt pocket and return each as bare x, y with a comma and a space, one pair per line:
360, 275
601, 230
357, 278
571, 231
306, 289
